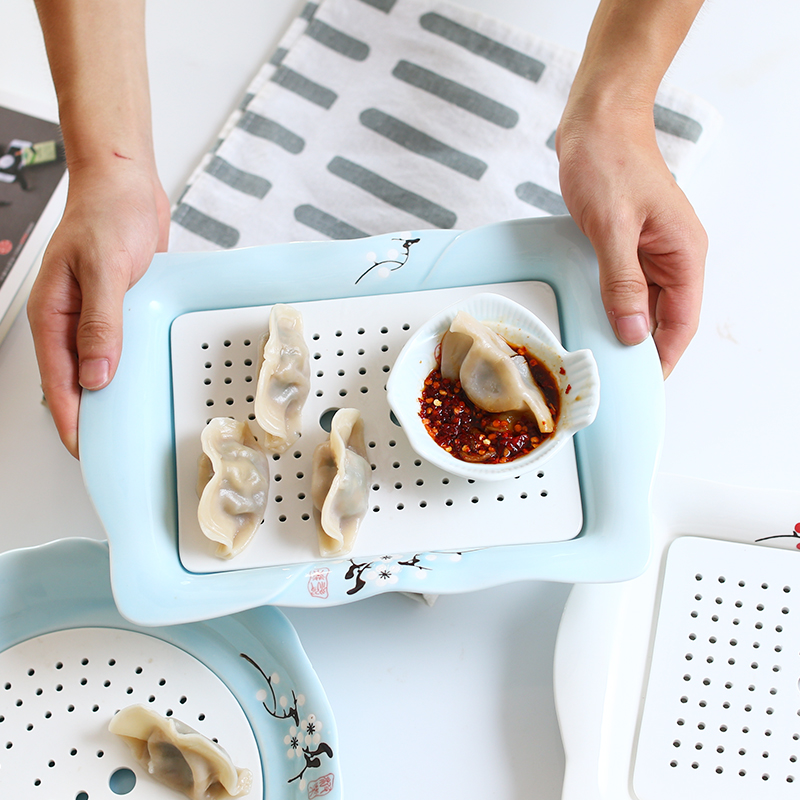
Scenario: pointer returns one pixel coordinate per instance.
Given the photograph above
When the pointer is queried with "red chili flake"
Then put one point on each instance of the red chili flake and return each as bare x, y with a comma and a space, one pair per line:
568, 389
562, 371
463, 430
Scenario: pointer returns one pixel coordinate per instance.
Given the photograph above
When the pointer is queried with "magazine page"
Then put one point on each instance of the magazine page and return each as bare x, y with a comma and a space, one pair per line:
32, 194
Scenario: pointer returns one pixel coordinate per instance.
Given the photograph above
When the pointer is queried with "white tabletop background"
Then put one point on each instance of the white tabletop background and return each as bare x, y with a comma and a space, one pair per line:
456, 700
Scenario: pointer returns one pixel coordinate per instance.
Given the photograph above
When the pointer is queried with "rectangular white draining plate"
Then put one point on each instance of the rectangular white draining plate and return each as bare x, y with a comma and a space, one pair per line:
414, 507
721, 717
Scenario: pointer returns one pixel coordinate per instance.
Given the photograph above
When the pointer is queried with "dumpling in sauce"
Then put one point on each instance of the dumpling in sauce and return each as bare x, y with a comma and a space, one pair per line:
283, 379
492, 375
340, 480
233, 485
180, 757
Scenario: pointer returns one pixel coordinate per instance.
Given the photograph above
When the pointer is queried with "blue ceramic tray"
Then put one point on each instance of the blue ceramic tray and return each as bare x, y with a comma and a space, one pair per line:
127, 436
64, 586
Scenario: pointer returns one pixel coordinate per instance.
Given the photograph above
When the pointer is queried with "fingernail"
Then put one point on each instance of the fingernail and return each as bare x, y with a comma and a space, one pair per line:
632, 329
93, 373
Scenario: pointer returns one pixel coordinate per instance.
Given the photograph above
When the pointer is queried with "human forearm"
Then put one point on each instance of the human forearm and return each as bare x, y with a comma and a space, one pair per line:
96, 50
629, 48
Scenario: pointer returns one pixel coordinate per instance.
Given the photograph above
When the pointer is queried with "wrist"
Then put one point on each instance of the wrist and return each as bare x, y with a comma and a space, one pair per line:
629, 48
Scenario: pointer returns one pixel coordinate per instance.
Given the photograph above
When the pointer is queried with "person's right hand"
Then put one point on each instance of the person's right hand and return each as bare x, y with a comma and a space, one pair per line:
116, 218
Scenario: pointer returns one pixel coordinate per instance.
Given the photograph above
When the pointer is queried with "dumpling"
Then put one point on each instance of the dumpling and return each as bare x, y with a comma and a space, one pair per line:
180, 757
233, 485
492, 375
283, 379
340, 480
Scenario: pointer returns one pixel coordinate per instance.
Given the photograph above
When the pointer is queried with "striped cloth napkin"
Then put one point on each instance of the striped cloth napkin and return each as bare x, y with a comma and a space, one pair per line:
386, 115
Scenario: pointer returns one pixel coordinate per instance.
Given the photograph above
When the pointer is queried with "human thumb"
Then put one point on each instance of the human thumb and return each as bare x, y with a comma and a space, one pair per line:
624, 290
99, 332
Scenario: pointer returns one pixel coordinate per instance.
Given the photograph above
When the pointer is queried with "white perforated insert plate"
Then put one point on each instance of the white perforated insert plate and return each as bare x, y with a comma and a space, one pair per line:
721, 717
60, 690
414, 507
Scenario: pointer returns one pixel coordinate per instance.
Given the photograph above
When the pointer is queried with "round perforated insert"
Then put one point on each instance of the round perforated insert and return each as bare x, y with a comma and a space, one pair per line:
59, 692
722, 712
414, 506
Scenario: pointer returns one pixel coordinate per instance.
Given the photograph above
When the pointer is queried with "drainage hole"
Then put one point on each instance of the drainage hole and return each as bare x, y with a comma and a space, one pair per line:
122, 781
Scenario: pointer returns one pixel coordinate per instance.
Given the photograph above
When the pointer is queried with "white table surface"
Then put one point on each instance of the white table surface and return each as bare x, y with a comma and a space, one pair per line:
456, 700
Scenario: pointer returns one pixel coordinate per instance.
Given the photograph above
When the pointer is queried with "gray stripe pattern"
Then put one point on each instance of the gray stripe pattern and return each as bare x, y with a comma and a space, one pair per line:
309, 9
238, 179
326, 224
418, 142
278, 56
302, 86
391, 193
382, 5
677, 124
379, 115
337, 40
456, 93
539, 197
207, 227
480, 45
265, 128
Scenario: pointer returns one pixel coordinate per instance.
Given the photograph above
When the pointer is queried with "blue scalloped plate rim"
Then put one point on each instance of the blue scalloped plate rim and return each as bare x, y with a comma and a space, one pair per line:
127, 441
65, 584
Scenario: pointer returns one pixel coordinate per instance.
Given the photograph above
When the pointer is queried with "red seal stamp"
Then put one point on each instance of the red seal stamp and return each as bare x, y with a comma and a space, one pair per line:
320, 786
318, 583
